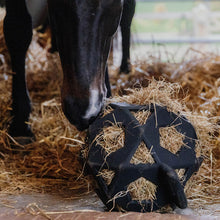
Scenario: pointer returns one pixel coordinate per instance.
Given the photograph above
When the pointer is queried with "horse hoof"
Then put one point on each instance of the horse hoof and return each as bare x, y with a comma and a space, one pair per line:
22, 135
125, 70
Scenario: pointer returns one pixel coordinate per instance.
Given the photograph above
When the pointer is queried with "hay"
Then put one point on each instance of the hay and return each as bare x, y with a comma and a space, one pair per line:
171, 139
142, 116
107, 175
142, 189
198, 77
111, 138
142, 155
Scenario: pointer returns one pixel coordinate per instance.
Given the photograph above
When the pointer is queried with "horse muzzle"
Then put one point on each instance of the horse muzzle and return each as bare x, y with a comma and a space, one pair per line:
75, 111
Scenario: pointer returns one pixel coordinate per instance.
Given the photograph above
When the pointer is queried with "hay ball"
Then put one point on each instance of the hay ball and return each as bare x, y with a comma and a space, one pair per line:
175, 136
135, 154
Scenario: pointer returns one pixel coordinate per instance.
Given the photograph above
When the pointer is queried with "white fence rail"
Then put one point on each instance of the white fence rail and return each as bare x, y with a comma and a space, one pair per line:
204, 23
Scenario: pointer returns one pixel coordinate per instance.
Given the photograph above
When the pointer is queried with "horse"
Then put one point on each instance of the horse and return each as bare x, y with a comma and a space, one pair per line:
83, 30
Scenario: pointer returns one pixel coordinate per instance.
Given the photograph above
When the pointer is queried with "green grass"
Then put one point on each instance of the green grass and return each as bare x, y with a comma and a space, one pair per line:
143, 26
215, 6
178, 25
146, 7
178, 6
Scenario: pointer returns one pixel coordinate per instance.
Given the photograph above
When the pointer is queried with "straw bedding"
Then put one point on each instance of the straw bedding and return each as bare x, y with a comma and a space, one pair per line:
52, 163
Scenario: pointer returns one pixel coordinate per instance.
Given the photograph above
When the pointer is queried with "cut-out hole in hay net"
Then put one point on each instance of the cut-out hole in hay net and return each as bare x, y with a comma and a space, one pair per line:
142, 189
142, 155
171, 139
142, 116
107, 175
111, 138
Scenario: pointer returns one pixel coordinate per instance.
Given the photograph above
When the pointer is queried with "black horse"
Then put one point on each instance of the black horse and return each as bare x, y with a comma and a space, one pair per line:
83, 31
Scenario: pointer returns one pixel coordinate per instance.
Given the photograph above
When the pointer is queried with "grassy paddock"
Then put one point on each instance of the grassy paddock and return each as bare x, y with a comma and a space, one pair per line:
178, 6
179, 25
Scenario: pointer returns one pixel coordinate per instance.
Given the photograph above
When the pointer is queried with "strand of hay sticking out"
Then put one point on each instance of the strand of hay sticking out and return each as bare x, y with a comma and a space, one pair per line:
164, 94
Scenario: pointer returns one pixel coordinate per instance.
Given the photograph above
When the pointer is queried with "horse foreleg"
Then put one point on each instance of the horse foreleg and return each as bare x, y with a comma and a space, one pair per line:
18, 35
126, 19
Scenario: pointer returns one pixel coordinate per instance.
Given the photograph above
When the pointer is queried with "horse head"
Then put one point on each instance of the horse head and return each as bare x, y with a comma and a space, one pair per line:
83, 30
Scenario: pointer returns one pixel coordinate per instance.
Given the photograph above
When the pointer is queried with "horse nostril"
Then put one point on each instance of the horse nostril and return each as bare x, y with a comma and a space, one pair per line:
74, 111
84, 124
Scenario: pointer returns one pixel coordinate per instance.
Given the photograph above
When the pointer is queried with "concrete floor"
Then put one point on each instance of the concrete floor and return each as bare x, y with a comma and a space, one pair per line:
57, 206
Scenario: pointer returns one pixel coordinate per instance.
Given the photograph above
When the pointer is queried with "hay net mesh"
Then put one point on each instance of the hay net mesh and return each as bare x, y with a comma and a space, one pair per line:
112, 138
